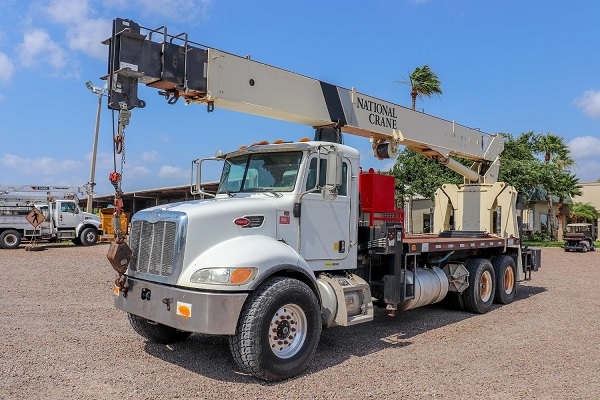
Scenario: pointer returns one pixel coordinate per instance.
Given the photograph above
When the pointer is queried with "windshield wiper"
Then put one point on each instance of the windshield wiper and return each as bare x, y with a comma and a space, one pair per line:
258, 189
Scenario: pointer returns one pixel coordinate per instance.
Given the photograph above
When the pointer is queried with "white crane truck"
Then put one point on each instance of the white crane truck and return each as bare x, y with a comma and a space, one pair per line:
284, 249
62, 217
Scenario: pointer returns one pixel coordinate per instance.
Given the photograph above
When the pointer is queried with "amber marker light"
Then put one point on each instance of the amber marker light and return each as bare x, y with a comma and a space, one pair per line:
241, 275
184, 309
304, 139
116, 290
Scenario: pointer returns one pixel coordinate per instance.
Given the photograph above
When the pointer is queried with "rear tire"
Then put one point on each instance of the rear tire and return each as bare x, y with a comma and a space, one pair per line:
278, 330
479, 296
10, 239
506, 281
155, 332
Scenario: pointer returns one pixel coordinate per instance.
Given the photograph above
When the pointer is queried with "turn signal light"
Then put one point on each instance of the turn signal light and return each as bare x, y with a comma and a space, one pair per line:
240, 275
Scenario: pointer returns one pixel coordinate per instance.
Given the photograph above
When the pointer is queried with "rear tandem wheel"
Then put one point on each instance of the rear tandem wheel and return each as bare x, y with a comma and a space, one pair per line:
479, 296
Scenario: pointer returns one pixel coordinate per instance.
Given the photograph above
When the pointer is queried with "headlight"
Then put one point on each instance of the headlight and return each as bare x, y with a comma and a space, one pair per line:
224, 276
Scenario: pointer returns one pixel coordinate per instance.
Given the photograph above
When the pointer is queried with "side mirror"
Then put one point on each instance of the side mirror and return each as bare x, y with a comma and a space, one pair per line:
196, 176
333, 176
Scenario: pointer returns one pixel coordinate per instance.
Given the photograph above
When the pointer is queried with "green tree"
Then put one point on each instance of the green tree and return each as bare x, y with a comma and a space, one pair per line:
558, 181
417, 175
423, 82
584, 212
518, 165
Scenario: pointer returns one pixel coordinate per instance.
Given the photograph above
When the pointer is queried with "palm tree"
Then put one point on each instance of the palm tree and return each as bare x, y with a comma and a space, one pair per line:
423, 82
554, 150
584, 212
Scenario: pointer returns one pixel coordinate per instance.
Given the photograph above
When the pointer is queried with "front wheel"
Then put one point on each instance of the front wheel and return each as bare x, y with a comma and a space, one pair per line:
155, 332
10, 239
584, 248
278, 330
88, 237
479, 296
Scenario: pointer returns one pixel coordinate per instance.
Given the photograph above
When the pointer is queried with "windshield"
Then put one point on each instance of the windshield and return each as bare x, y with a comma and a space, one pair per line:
260, 172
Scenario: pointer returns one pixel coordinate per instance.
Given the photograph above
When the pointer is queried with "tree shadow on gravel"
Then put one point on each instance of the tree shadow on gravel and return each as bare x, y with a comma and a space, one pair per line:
209, 355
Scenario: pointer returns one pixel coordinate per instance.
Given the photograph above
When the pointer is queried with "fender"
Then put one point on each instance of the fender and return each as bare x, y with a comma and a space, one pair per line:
88, 223
265, 253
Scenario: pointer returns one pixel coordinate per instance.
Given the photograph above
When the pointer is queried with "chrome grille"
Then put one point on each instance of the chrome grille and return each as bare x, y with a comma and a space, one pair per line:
153, 246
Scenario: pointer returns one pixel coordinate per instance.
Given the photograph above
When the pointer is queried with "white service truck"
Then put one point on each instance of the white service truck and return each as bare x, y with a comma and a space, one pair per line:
59, 216
292, 242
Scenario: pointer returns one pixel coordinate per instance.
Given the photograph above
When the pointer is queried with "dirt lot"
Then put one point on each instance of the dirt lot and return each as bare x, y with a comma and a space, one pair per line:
62, 339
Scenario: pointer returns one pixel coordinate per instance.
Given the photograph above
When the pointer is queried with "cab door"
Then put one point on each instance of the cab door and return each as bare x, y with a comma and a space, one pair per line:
325, 225
67, 214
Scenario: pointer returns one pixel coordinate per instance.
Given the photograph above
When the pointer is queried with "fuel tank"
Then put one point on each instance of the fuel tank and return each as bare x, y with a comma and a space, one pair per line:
431, 286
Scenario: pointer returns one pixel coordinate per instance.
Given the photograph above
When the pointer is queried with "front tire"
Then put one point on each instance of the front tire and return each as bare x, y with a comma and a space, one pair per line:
584, 248
155, 332
278, 330
10, 239
506, 281
479, 296
88, 237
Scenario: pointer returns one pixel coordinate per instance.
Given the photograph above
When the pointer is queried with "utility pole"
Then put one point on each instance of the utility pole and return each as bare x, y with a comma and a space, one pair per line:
91, 184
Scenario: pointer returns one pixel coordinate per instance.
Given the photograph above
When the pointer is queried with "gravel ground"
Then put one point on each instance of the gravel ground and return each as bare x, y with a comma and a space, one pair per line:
62, 339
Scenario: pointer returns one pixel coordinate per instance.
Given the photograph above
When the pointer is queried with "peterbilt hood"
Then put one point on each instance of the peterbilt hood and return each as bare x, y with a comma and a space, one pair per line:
206, 223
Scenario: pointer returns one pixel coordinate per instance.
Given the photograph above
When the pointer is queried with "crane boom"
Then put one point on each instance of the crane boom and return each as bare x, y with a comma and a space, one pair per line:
180, 68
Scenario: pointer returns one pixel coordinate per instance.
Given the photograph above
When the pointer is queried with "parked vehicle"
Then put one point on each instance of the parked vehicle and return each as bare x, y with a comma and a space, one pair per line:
59, 216
580, 237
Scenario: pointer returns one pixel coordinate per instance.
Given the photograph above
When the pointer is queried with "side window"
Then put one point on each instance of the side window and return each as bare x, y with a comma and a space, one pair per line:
67, 207
311, 182
343, 190
312, 176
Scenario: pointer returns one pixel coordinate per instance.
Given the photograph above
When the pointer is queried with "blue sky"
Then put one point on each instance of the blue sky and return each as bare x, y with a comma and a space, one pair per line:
505, 66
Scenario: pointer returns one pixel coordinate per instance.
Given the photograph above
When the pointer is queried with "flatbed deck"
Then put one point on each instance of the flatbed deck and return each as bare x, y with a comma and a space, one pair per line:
429, 242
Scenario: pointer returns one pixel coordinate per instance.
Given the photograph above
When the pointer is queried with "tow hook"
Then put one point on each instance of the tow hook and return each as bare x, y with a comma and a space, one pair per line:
168, 302
146, 294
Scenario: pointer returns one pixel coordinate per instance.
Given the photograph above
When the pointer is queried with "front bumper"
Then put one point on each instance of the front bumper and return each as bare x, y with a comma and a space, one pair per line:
183, 309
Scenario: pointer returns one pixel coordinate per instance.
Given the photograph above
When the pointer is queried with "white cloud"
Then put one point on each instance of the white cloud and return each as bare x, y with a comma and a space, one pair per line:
167, 171
83, 32
38, 48
587, 170
134, 171
39, 166
150, 156
67, 11
590, 103
584, 147
7, 68
175, 10
88, 37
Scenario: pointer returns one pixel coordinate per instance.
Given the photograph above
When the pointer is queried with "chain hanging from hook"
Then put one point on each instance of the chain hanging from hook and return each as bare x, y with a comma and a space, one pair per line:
119, 253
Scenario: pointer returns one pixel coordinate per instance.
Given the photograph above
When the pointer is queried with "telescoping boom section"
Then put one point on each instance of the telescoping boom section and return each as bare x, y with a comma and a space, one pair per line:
180, 68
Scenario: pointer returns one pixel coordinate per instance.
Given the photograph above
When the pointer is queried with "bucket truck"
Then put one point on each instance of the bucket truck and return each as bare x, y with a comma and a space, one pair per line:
285, 248
59, 216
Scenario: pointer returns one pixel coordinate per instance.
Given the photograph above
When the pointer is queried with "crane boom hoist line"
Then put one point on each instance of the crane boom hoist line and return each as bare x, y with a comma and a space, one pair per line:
179, 68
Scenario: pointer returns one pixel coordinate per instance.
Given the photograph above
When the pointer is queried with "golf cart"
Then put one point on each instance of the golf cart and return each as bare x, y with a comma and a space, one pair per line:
579, 237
